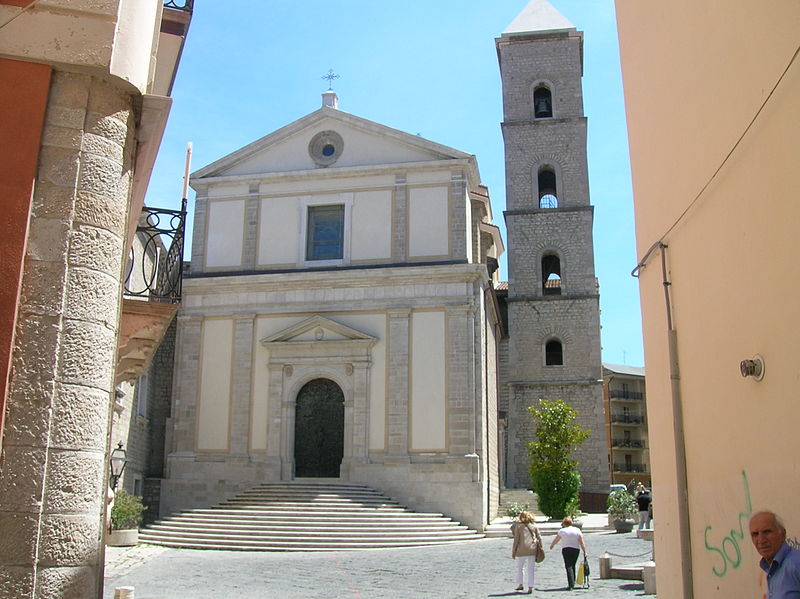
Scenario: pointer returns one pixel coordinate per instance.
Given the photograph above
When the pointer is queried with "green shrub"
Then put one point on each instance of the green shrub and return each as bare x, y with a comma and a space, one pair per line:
126, 511
621, 504
554, 475
557, 490
514, 509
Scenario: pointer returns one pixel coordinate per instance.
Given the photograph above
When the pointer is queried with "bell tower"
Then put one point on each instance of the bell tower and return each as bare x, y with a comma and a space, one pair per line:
553, 297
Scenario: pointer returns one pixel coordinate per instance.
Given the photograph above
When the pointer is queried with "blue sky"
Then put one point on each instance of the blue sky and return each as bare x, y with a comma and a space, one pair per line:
426, 67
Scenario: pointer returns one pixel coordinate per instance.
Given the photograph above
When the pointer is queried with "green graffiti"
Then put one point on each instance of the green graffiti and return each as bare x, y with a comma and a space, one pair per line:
729, 551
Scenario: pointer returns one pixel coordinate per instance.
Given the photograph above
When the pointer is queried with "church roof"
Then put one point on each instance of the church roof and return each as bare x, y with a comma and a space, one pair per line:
538, 15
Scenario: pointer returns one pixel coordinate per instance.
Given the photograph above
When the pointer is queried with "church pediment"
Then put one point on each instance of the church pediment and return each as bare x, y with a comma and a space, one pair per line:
318, 329
327, 139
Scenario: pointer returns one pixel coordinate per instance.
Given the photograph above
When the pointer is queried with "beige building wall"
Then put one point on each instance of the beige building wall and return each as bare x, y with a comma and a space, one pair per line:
712, 92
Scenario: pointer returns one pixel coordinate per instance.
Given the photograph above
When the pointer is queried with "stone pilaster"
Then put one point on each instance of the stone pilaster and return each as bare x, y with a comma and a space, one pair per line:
199, 230
400, 220
461, 392
459, 203
250, 242
185, 388
397, 396
242, 385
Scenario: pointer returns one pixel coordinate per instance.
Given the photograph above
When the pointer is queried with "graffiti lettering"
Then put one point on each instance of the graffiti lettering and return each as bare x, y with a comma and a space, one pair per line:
729, 552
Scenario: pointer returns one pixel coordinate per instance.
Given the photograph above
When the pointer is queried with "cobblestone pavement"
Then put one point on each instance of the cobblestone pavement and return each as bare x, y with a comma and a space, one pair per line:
476, 569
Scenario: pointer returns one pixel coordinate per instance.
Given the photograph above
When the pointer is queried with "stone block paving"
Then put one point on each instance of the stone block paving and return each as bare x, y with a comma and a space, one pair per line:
476, 569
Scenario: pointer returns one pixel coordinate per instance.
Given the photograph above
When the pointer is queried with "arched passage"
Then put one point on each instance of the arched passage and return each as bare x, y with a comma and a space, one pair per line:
319, 429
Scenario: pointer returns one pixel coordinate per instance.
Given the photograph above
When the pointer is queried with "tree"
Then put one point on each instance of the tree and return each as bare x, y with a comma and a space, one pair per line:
554, 475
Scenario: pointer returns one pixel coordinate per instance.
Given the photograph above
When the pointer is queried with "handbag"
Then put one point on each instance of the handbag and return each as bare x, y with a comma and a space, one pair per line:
539, 548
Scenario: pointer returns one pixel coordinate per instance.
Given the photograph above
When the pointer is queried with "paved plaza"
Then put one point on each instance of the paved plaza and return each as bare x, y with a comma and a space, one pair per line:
476, 569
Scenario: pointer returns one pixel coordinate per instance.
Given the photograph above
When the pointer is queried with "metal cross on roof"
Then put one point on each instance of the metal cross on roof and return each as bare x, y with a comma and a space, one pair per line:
330, 77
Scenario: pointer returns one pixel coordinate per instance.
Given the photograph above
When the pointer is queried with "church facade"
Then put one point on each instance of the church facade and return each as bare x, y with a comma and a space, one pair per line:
339, 321
342, 316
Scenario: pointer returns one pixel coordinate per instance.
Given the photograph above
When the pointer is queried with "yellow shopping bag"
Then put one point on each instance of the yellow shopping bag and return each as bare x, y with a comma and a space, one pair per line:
580, 574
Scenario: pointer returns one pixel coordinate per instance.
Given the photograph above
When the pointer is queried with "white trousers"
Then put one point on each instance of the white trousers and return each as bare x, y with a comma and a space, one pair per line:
644, 520
528, 562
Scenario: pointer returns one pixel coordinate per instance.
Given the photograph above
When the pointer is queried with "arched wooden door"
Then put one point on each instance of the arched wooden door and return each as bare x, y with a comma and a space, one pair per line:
319, 429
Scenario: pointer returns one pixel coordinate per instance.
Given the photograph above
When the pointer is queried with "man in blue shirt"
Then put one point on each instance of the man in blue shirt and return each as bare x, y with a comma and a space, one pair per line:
779, 560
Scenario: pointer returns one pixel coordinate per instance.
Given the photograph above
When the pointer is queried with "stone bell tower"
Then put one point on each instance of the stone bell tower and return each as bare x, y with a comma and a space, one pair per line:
553, 297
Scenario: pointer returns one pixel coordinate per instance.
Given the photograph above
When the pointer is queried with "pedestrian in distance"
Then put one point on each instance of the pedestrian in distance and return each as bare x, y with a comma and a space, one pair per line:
527, 541
573, 543
643, 500
779, 560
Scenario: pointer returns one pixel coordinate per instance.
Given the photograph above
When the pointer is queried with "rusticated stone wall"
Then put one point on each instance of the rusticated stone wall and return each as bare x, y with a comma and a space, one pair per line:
53, 475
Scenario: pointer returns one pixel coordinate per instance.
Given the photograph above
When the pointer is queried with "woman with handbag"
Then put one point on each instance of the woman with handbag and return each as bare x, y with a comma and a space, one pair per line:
573, 543
527, 549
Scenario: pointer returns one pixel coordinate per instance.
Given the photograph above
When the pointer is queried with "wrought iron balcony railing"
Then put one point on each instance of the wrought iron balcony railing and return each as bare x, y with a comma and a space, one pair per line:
626, 418
155, 265
631, 443
640, 468
622, 394
185, 5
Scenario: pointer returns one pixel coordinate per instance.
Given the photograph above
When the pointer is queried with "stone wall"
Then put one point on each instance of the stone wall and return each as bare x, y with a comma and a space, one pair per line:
54, 471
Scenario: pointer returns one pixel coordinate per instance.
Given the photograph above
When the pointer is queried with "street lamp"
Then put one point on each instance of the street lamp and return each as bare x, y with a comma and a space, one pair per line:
118, 462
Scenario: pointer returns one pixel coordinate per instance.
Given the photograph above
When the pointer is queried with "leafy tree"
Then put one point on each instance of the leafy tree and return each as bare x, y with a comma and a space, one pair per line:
554, 475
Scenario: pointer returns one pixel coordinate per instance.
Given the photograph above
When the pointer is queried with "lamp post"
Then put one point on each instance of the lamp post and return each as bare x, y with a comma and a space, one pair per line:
118, 462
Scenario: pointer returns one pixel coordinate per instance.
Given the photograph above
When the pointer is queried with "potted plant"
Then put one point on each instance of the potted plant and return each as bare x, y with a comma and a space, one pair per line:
621, 510
126, 516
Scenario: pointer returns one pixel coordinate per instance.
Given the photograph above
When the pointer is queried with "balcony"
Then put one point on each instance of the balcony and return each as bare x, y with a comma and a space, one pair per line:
625, 394
623, 418
628, 443
152, 291
631, 468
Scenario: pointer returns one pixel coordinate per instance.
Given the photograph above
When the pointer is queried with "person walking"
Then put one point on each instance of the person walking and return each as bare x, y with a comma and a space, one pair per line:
526, 542
643, 500
573, 543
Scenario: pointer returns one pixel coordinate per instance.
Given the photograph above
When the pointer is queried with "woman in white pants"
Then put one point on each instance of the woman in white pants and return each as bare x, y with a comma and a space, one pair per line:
526, 541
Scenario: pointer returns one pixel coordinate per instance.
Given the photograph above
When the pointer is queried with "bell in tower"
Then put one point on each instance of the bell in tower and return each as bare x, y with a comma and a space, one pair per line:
542, 103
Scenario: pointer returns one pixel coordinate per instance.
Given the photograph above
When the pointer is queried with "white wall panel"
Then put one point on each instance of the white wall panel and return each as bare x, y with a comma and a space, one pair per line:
371, 232
428, 230
213, 412
428, 376
225, 233
277, 231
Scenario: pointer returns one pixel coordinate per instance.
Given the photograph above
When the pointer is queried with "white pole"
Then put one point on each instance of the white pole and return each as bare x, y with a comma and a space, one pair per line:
186, 170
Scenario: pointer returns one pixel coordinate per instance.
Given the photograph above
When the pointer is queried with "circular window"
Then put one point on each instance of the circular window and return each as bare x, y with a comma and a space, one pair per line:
325, 148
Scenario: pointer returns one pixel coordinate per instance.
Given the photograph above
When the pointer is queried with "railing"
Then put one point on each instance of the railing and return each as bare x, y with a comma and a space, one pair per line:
633, 443
185, 5
622, 394
155, 265
626, 418
639, 468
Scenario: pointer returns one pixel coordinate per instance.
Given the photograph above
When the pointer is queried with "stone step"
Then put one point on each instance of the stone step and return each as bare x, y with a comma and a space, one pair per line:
288, 546
307, 516
375, 527
326, 535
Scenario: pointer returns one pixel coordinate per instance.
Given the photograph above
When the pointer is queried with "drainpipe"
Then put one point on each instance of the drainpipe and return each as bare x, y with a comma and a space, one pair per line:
684, 528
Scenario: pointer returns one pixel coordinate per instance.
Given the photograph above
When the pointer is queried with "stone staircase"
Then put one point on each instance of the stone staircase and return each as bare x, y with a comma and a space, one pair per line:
305, 516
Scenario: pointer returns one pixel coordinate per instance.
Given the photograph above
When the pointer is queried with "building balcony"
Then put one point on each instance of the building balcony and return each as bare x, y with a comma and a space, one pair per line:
152, 291
622, 418
628, 443
624, 394
631, 468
